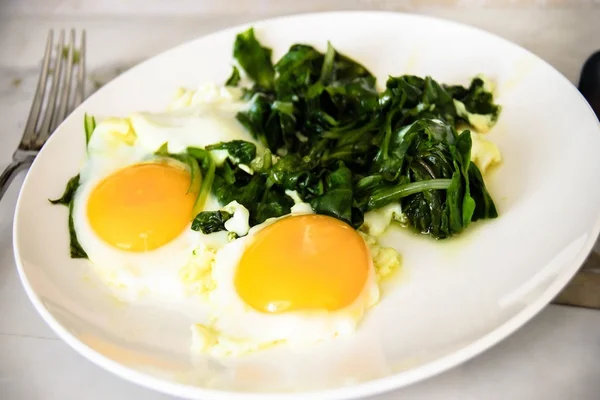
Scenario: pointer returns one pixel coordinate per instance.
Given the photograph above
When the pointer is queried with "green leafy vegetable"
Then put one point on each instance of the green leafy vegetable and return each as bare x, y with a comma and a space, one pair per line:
254, 59
346, 149
239, 150
337, 199
76, 249
69, 192
210, 221
67, 200
234, 78
386, 195
163, 150
484, 205
89, 124
206, 164
312, 95
476, 98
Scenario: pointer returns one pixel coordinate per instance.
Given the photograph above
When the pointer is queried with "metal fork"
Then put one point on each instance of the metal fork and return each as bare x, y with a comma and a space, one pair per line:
50, 109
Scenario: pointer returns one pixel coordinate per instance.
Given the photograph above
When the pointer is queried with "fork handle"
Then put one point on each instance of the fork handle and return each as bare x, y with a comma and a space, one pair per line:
11, 171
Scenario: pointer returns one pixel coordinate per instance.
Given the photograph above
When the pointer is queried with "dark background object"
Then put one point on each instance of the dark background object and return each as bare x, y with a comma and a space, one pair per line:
589, 82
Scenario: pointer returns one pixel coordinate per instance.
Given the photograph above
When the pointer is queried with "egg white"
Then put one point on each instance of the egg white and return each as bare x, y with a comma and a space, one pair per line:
236, 328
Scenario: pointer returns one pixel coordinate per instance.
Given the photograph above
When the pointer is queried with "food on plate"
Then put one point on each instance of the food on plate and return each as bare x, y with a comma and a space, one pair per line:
263, 199
287, 281
348, 149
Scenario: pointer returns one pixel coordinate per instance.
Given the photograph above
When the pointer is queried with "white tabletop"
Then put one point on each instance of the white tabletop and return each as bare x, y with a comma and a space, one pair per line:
555, 356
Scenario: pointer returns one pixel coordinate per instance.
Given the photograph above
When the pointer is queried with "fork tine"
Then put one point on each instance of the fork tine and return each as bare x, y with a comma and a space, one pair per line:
36, 106
44, 131
80, 88
63, 100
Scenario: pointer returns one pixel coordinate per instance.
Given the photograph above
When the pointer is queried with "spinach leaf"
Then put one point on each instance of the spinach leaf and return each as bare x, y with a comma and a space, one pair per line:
296, 71
254, 59
291, 172
210, 221
234, 78
476, 98
411, 98
389, 194
67, 200
69, 192
463, 155
202, 156
75, 247
273, 203
484, 205
200, 160
239, 151
255, 118
261, 200
337, 199
89, 124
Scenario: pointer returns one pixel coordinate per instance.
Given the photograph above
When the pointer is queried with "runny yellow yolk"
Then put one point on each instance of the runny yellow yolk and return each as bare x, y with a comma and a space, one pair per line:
305, 262
141, 207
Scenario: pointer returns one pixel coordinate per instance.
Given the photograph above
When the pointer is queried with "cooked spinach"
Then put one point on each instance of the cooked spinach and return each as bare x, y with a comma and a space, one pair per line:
67, 200
476, 98
238, 150
76, 250
89, 124
254, 59
346, 148
234, 78
210, 221
69, 192
337, 199
415, 167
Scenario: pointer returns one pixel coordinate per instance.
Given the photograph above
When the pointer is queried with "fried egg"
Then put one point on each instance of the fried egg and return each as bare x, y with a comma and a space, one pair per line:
133, 209
288, 282
134, 226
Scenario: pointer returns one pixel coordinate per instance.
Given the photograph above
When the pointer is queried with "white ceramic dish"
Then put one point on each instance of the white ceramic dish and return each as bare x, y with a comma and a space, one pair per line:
454, 300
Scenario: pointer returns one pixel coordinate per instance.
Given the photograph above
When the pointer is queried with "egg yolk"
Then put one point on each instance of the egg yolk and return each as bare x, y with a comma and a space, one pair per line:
303, 262
142, 207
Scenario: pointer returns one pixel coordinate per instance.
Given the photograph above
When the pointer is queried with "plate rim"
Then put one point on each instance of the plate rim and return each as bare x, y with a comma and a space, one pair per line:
368, 388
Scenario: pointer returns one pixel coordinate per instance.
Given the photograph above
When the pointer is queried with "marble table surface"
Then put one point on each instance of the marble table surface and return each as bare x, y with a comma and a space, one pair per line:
556, 356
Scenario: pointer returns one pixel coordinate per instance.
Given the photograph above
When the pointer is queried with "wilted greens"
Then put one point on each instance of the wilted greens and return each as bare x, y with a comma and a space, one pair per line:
67, 200
210, 221
347, 148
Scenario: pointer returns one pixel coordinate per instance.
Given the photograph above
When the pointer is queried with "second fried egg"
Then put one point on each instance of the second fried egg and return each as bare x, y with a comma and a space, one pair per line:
297, 279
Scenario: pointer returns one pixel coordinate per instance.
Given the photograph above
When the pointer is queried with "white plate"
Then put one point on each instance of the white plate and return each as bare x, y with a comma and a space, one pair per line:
455, 299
